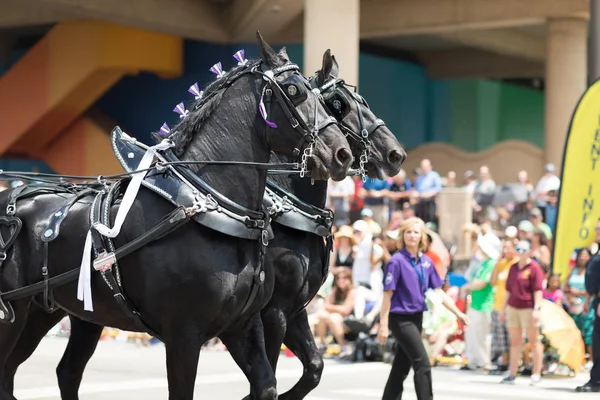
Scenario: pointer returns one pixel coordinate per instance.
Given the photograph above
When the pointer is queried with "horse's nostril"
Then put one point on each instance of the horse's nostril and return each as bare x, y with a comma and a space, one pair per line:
396, 157
343, 156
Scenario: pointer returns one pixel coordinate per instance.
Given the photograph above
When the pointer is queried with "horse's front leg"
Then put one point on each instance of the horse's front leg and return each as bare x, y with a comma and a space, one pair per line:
299, 339
82, 345
9, 336
38, 323
247, 348
183, 351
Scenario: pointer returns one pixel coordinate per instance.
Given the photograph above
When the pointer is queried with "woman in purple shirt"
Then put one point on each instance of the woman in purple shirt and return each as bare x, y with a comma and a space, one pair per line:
409, 277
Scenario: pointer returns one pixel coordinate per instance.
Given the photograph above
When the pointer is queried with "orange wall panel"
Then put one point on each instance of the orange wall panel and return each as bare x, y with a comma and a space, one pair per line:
68, 70
82, 149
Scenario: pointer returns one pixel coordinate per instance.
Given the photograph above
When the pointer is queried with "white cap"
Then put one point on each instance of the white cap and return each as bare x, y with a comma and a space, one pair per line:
511, 231
361, 225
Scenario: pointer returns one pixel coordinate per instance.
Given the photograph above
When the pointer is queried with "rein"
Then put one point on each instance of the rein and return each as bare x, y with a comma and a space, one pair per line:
160, 165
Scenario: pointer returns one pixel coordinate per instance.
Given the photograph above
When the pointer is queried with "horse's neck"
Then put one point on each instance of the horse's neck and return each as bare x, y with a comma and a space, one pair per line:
228, 135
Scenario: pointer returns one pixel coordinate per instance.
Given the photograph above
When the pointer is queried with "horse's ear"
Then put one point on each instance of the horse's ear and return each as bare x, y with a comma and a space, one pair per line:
325, 71
335, 69
267, 54
283, 54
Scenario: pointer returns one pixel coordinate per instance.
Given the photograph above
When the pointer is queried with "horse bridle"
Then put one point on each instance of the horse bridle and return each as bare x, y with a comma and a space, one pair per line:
363, 137
309, 132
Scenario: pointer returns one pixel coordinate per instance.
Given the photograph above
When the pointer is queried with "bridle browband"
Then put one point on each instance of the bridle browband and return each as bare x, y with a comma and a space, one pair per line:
361, 138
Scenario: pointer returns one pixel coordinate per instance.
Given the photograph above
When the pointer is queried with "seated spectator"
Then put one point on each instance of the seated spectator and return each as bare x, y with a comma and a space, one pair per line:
338, 305
439, 324
343, 249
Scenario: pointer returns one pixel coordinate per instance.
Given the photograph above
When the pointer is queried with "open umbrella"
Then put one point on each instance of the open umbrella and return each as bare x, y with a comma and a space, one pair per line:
510, 193
562, 333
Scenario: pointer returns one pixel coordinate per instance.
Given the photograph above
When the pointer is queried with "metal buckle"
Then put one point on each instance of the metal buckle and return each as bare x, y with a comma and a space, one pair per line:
104, 261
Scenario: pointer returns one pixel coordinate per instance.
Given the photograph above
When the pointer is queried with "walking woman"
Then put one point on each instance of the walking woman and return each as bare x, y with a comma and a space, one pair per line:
409, 277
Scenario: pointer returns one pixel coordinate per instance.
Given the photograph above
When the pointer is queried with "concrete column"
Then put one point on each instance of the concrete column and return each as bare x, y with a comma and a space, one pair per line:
566, 80
332, 24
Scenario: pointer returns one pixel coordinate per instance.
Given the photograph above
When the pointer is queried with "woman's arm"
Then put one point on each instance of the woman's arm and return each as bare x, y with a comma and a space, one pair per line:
343, 309
377, 256
348, 306
545, 255
494, 277
384, 314
449, 304
567, 287
329, 301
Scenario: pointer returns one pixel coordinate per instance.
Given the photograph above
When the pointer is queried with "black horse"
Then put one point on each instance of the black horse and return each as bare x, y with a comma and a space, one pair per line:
194, 283
301, 257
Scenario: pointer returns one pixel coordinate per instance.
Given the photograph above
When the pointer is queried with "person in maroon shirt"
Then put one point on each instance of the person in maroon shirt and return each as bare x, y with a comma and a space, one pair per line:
521, 310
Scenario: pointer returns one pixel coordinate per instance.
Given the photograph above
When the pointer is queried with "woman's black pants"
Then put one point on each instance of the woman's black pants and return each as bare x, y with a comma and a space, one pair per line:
410, 352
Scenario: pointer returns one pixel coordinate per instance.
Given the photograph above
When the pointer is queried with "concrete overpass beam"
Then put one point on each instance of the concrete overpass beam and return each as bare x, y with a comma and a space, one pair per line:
449, 64
15, 14
509, 42
383, 18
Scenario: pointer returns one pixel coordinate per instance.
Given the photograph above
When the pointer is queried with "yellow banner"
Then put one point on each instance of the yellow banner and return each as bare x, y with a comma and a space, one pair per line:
579, 198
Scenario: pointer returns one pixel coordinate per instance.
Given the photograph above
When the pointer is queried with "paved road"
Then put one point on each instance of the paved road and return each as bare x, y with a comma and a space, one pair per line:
122, 371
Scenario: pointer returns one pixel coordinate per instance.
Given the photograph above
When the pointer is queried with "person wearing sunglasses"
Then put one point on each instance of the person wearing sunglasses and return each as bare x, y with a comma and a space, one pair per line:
521, 310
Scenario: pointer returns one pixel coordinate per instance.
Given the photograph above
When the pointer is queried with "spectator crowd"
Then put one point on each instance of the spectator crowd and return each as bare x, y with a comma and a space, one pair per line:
502, 291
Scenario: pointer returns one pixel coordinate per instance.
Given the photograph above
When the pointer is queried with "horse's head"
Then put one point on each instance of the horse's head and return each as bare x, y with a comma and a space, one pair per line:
302, 125
374, 146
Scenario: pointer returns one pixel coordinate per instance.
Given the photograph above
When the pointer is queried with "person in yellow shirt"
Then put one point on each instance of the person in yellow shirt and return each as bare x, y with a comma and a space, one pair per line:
500, 343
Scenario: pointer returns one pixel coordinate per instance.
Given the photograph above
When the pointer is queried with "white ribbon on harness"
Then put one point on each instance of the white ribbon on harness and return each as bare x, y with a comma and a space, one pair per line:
84, 288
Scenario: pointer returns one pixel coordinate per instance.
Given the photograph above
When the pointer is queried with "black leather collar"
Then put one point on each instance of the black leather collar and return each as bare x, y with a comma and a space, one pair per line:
299, 215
